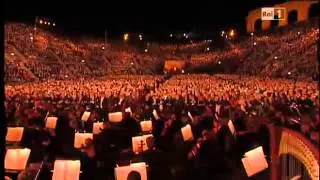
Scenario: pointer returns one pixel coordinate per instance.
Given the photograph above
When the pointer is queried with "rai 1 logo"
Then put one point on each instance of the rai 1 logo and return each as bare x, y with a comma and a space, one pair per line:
272, 13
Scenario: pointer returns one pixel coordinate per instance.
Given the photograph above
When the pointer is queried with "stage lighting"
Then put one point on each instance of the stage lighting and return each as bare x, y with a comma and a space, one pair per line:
275, 57
219, 62
54, 24
289, 73
251, 34
40, 21
146, 50
232, 33
126, 36
171, 35
254, 43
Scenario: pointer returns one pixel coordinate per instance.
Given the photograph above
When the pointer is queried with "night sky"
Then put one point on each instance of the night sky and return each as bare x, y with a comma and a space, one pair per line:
158, 18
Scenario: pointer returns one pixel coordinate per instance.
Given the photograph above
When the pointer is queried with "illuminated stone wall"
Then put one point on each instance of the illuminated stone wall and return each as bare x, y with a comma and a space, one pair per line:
171, 65
302, 7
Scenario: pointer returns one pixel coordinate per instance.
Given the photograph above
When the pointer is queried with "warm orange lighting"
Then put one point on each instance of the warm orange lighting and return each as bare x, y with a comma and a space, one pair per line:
254, 161
232, 33
66, 169
86, 114
14, 134
142, 143
115, 117
45, 22
97, 127
122, 172
16, 159
51, 122
80, 138
187, 133
40, 21
126, 36
146, 126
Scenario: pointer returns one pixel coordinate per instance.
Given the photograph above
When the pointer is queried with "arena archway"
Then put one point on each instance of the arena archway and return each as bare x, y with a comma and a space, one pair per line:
274, 23
314, 10
292, 17
258, 25
304, 9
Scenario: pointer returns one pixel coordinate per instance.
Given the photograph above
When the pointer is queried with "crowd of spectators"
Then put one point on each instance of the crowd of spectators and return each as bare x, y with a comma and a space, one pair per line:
72, 58
272, 54
266, 54
184, 48
277, 54
85, 75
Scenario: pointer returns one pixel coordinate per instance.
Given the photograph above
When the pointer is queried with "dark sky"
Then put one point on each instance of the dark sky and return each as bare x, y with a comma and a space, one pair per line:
152, 17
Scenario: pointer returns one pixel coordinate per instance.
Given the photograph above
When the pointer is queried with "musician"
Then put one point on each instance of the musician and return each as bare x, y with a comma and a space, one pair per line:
89, 162
209, 154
